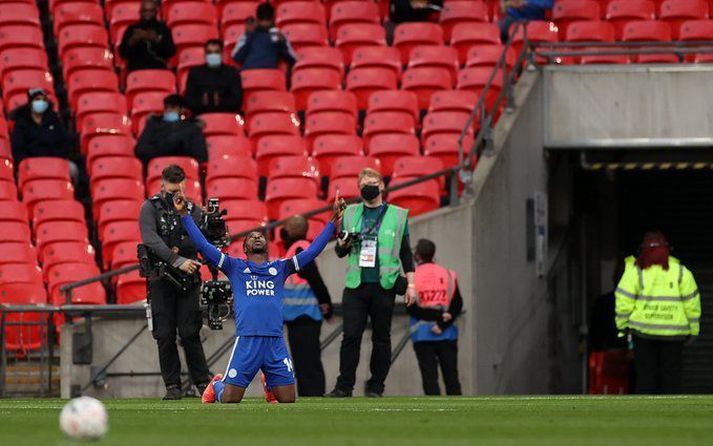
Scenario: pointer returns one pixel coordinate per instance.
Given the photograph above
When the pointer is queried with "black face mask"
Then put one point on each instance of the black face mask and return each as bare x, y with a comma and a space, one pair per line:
169, 197
369, 192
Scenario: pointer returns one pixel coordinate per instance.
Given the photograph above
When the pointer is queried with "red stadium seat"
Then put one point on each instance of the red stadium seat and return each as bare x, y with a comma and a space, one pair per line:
568, 11
283, 189
327, 148
91, 81
78, 59
227, 146
435, 57
418, 166
42, 168
130, 288
475, 79
425, 81
8, 191
347, 187
187, 59
76, 13
696, 30
388, 147
251, 210
7, 173
72, 272
232, 189
453, 100
22, 59
293, 166
82, 36
124, 254
110, 145
115, 167
307, 81
269, 101
59, 231
115, 233
193, 35
407, 36
350, 13
21, 36
190, 13
365, 81
28, 334
261, 80
448, 122
395, 100
273, 124
377, 57
149, 80
62, 253
292, 12
235, 13
319, 57
537, 32
16, 13
675, 12
328, 124
621, 12
225, 124
20, 273
231, 35
99, 102
649, 30
144, 104
418, 199
233, 167
17, 252
114, 189
350, 166
102, 124
457, 12
290, 208
121, 16
156, 165
619, 59
13, 211
39, 190
466, 36
330, 101
118, 210
15, 231
350, 37
17, 82
489, 56
305, 35
57, 210
272, 146
591, 31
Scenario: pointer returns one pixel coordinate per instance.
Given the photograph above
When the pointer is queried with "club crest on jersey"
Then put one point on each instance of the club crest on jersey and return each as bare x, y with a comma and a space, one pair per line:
260, 287
272, 271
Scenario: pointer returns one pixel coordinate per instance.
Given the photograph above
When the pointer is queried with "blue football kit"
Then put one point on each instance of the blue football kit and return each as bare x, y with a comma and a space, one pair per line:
257, 303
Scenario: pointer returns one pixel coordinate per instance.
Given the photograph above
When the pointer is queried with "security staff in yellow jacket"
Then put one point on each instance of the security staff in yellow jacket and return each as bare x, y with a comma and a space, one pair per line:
657, 301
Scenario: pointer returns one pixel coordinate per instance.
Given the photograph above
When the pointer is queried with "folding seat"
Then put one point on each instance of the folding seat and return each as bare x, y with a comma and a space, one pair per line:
462, 12
435, 57
703, 58
99, 102
568, 11
7, 173
102, 124
193, 35
15, 231
118, 210
252, 210
124, 254
225, 124
377, 57
437, 123
61, 253
187, 59
475, 79
418, 166
611, 59
235, 13
149, 80
130, 288
388, 147
424, 81
305, 35
319, 57
81, 36
93, 293
16, 13
272, 146
123, 189
42, 168
115, 167
26, 332
591, 31
692, 30
302, 206
407, 36
91, 81
21, 36
466, 36
111, 146
537, 32
233, 167
22, 59
115, 233
143, 105
292, 12
76, 13
351, 13
8, 191
156, 165
57, 210
489, 56
365, 81
13, 211
307, 81
418, 198
283, 189
121, 16
231, 35
59, 231
39, 190
20, 273
327, 124
232, 189
272, 124
332, 101
675, 12
269, 101
261, 80
352, 36
18, 252
221, 147
349, 166
387, 122
646, 31
293, 166
348, 189
395, 100
17, 82
621, 12
190, 13
327, 148
79, 59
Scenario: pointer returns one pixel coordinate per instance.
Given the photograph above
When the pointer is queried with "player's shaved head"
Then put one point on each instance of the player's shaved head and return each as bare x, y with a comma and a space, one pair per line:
297, 227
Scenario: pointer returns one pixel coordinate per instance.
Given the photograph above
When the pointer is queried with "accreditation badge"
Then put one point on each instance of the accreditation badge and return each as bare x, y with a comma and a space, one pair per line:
367, 255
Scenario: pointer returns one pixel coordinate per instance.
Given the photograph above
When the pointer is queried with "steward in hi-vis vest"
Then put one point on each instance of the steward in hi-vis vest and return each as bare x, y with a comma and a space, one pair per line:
659, 305
374, 238
306, 302
434, 336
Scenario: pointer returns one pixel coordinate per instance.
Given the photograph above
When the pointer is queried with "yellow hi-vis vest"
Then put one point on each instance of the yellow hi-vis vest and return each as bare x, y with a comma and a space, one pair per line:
658, 302
391, 233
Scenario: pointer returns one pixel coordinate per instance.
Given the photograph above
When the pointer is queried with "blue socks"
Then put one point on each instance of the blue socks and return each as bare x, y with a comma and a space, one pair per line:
219, 388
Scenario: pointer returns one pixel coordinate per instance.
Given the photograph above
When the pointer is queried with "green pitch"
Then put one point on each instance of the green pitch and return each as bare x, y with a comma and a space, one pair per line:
675, 421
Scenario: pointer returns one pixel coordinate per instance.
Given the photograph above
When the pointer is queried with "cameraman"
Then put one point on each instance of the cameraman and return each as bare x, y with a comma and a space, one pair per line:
172, 308
376, 240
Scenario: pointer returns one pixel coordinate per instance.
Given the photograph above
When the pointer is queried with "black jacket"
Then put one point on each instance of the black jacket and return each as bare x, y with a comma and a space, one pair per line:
143, 54
223, 81
29, 139
161, 138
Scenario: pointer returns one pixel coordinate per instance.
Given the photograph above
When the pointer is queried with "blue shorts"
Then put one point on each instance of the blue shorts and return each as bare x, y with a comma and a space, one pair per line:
253, 353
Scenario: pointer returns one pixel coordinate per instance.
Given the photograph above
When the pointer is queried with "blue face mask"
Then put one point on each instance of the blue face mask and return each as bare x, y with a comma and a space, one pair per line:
40, 106
213, 60
171, 116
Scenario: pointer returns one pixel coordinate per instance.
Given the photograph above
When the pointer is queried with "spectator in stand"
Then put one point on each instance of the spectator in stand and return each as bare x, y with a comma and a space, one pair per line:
172, 134
147, 44
215, 86
38, 131
414, 10
521, 11
262, 45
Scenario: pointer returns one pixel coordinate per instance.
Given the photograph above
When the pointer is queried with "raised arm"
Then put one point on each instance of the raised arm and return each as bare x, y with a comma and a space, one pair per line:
314, 249
210, 252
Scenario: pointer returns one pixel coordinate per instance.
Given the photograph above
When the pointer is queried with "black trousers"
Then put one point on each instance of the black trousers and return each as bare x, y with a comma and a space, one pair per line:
372, 301
429, 355
658, 366
174, 311
303, 336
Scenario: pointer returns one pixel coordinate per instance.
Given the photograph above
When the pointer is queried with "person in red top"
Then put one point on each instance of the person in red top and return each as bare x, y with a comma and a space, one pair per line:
435, 338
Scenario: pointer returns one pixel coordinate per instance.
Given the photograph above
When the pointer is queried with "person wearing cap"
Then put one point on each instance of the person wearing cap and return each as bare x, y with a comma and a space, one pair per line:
214, 87
172, 134
148, 43
38, 131
658, 307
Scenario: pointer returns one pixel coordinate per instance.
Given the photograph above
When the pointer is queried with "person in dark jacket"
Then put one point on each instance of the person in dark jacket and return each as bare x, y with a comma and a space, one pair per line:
147, 44
401, 11
214, 87
262, 45
172, 134
521, 11
38, 130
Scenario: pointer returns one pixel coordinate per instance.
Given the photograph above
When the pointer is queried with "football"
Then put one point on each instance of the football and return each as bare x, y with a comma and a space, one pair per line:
84, 418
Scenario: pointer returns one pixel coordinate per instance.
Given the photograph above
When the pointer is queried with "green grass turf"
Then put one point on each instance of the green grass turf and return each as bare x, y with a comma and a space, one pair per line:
626, 421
